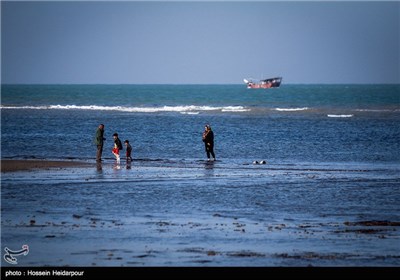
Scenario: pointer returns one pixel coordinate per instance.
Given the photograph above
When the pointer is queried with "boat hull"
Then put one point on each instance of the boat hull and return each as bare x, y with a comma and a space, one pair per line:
268, 83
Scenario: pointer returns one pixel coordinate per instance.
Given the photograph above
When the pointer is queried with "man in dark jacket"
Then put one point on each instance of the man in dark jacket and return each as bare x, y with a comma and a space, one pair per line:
99, 141
208, 139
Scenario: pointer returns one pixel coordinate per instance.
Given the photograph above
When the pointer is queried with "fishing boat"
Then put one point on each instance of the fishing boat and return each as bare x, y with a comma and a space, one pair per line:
266, 83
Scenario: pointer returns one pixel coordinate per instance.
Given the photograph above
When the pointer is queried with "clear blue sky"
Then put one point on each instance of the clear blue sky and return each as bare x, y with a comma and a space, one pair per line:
199, 43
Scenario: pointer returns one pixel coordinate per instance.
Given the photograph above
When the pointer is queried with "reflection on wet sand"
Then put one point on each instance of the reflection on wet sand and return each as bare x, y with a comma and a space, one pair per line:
219, 214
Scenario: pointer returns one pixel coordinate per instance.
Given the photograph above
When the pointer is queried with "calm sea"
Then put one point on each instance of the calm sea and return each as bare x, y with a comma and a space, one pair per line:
292, 124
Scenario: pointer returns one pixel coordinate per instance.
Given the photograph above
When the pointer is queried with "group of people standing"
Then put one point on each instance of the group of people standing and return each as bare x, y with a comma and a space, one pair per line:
117, 147
208, 139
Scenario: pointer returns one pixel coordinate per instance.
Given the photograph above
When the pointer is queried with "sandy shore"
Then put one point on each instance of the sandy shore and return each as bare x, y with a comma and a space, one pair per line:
20, 165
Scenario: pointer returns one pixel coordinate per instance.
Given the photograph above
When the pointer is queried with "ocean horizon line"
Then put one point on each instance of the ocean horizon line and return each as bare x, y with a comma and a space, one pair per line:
192, 84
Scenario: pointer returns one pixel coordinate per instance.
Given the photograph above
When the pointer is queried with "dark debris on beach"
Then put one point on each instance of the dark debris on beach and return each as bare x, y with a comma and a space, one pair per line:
373, 223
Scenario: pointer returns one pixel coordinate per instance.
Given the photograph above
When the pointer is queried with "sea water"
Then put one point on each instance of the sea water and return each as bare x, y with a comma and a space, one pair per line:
332, 157
294, 123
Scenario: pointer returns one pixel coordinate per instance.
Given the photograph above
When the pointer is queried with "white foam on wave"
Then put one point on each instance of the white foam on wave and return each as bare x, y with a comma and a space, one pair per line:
234, 109
25, 107
190, 113
339, 116
291, 109
374, 110
182, 109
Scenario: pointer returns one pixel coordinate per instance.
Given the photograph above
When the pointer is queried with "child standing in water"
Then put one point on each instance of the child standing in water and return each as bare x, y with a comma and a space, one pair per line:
115, 152
128, 150
117, 147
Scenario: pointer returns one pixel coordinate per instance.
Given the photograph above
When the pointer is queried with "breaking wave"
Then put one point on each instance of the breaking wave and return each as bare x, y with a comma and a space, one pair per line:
182, 109
291, 109
339, 116
376, 110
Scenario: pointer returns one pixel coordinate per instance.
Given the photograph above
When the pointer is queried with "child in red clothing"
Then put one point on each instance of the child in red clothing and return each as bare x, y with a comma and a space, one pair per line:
117, 147
115, 152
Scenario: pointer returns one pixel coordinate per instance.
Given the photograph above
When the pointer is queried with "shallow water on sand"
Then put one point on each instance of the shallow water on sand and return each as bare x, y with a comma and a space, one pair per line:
195, 213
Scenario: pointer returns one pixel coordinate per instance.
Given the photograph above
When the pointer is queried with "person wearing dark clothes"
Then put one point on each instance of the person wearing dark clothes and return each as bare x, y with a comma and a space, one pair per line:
128, 150
117, 141
99, 141
208, 139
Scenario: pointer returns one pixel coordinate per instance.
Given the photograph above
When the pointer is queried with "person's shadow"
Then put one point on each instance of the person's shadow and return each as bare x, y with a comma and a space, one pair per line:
128, 164
99, 167
209, 168
99, 170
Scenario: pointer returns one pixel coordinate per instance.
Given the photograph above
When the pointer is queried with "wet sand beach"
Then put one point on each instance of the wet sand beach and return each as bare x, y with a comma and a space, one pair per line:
195, 213
19, 165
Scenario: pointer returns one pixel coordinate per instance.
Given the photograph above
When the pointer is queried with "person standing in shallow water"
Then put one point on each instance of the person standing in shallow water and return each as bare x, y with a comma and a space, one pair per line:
99, 141
208, 139
128, 150
117, 147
